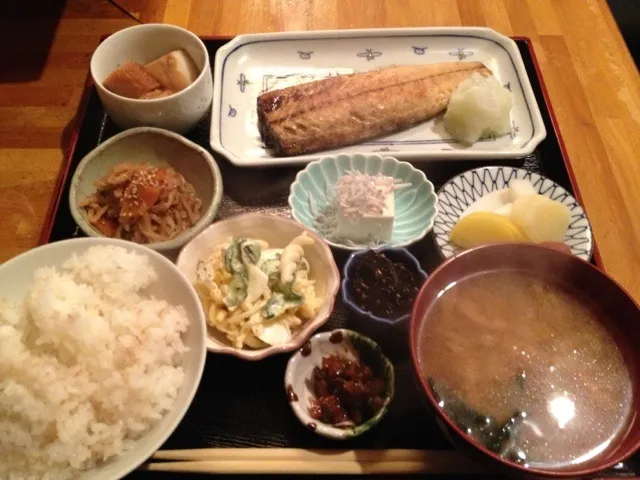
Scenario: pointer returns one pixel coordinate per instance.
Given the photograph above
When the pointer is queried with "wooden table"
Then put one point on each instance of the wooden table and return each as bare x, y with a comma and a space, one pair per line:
592, 80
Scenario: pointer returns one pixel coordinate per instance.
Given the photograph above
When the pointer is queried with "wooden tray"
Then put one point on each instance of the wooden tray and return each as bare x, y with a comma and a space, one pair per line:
242, 404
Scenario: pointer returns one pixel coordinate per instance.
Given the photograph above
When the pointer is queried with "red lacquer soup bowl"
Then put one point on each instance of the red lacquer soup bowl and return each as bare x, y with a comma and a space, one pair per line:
556, 266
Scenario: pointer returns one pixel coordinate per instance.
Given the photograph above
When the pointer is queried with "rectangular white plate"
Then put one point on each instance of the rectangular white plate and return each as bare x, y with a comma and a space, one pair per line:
252, 64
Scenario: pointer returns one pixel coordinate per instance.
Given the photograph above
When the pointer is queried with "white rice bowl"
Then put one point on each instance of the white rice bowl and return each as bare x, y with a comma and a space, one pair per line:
101, 352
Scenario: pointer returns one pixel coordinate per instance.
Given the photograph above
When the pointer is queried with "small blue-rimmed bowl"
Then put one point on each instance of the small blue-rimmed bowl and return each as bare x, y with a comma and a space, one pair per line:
396, 255
415, 206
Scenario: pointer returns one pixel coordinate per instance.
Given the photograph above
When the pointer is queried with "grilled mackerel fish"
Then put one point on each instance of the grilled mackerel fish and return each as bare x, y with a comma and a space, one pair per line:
349, 109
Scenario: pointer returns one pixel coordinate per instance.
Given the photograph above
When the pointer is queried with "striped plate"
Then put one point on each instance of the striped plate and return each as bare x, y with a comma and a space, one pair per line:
461, 191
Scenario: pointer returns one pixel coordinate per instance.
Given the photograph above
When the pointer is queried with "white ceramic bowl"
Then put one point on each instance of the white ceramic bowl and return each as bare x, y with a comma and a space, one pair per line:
346, 344
278, 232
143, 43
16, 276
159, 148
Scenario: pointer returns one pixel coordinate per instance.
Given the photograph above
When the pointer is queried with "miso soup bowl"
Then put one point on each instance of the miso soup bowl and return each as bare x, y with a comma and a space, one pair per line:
560, 267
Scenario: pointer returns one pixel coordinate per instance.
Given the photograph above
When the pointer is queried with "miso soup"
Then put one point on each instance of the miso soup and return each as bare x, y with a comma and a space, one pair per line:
527, 367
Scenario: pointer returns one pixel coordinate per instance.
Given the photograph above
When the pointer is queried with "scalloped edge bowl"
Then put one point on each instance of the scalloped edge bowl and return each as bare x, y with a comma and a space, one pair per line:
277, 231
316, 179
398, 254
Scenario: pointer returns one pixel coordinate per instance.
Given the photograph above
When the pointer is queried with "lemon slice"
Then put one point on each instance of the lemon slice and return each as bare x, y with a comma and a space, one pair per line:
480, 228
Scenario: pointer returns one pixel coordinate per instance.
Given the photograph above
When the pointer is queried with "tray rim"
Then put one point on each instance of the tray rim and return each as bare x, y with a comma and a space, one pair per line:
68, 153
486, 34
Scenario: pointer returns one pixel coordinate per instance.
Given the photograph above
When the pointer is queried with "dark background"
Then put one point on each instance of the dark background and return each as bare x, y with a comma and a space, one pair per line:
627, 15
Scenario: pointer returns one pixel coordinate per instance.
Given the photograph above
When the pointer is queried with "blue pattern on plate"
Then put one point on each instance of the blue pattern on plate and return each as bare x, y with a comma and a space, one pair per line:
419, 50
461, 191
461, 53
242, 82
514, 130
383, 149
232, 111
369, 54
304, 55
416, 206
457, 52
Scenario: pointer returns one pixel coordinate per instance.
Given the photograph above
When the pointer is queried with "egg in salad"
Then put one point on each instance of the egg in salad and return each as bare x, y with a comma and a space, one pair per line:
255, 294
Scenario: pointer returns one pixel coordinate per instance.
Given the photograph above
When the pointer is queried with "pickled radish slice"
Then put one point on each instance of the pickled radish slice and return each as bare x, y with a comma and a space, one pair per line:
490, 202
504, 210
541, 219
480, 228
521, 188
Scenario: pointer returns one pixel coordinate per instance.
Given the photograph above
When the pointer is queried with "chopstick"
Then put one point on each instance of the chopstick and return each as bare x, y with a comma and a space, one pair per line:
298, 461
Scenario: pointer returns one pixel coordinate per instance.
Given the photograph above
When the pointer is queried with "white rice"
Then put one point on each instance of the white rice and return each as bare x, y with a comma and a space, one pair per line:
88, 364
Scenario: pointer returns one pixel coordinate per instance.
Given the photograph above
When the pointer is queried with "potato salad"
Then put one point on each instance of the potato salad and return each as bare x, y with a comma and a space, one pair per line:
254, 294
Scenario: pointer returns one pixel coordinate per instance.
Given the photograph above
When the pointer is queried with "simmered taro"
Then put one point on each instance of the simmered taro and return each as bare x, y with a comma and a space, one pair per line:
383, 287
347, 392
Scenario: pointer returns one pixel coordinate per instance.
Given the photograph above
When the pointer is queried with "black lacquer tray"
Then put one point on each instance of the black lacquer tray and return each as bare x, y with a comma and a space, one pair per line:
243, 404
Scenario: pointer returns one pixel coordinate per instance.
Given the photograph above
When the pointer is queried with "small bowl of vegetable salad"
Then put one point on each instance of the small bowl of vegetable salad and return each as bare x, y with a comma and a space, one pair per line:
265, 283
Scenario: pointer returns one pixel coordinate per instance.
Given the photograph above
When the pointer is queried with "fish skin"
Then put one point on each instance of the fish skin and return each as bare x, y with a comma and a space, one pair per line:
348, 109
